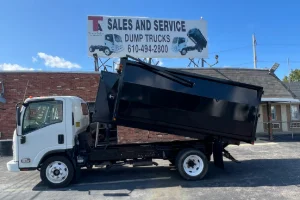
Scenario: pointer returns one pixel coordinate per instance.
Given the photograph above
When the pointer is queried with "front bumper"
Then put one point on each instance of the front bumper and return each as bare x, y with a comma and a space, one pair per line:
13, 166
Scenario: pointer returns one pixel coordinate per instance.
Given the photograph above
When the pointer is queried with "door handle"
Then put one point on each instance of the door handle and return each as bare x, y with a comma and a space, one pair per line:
61, 139
23, 139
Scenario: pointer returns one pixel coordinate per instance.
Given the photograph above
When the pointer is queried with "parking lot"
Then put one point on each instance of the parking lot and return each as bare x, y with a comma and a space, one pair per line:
268, 170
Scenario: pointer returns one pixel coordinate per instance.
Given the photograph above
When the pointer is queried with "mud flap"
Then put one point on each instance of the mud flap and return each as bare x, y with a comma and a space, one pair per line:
218, 154
77, 175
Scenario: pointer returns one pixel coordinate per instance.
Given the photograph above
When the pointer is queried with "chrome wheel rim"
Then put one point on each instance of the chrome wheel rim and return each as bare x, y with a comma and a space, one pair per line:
193, 165
57, 172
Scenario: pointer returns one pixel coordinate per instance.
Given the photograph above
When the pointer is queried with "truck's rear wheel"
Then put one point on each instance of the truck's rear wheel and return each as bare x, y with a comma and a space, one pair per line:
57, 172
192, 164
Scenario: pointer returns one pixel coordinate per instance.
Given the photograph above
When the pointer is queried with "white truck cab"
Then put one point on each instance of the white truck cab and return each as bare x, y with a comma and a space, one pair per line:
179, 44
46, 125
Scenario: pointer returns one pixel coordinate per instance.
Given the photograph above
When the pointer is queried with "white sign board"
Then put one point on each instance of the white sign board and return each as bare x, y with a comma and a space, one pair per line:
146, 37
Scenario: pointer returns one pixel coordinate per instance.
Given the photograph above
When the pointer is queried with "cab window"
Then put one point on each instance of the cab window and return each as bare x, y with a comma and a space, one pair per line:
109, 37
41, 114
181, 40
175, 40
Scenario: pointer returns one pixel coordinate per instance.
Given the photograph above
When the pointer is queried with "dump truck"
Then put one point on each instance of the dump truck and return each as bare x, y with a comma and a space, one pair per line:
58, 136
196, 36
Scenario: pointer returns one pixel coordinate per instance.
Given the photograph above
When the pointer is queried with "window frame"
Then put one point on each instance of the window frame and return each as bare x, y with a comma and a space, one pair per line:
37, 102
275, 114
291, 112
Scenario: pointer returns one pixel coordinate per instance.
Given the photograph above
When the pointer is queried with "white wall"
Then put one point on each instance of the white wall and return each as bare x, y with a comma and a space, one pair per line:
260, 126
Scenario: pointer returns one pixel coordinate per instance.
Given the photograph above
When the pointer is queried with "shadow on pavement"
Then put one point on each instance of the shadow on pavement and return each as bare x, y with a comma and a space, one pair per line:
249, 173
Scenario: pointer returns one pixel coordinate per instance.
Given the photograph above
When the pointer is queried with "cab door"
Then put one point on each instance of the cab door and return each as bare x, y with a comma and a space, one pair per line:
42, 130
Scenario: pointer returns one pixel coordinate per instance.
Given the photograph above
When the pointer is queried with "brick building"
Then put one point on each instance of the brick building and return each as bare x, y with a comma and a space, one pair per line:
20, 85
282, 102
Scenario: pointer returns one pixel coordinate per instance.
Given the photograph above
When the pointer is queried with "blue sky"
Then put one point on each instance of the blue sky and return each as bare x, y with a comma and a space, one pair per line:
40, 34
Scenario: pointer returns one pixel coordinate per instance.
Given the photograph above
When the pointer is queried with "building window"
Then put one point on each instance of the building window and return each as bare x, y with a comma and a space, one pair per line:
294, 112
273, 112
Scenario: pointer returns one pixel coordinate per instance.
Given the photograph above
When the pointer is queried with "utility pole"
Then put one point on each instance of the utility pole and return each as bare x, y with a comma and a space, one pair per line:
254, 51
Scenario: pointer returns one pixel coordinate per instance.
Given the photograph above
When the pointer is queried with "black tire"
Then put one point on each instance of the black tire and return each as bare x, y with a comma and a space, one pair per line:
180, 160
183, 51
64, 162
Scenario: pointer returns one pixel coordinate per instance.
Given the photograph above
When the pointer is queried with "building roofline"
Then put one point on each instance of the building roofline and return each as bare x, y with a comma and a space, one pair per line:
93, 72
48, 72
284, 85
277, 99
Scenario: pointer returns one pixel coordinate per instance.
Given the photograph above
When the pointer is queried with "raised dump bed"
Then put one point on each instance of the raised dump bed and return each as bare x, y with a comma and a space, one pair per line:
170, 100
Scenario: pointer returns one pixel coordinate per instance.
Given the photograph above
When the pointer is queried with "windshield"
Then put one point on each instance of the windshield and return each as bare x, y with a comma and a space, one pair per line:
181, 40
118, 38
40, 114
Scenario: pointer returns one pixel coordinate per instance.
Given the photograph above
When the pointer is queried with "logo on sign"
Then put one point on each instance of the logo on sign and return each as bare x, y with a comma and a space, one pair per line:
96, 22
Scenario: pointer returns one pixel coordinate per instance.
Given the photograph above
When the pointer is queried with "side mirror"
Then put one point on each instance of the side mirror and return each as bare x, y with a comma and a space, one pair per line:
18, 115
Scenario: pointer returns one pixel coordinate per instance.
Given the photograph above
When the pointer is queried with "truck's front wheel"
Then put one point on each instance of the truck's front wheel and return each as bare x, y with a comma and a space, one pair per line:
57, 172
191, 164
107, 51
183, 51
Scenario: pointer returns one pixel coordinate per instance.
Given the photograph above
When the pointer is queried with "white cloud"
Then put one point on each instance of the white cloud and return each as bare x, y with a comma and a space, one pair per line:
34, 59
155, 60
57, 62
13, 67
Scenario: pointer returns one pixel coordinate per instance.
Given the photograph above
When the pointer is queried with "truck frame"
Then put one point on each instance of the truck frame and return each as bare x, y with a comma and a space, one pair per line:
72, 138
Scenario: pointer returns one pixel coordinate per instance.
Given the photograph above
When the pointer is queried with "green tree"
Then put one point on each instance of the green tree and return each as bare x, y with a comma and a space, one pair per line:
294, 76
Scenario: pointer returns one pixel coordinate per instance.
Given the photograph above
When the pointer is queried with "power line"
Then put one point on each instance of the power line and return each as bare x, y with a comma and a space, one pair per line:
233, 49
278, 44
241, 64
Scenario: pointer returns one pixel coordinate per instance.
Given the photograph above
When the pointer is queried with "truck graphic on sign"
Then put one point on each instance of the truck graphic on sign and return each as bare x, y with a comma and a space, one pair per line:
180, 43
112, 44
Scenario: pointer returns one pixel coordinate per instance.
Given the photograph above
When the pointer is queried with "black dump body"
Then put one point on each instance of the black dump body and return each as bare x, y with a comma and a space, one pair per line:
197, 37
169, 100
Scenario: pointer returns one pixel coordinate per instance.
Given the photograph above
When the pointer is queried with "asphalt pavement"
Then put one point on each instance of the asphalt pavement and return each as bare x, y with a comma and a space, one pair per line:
268, 170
